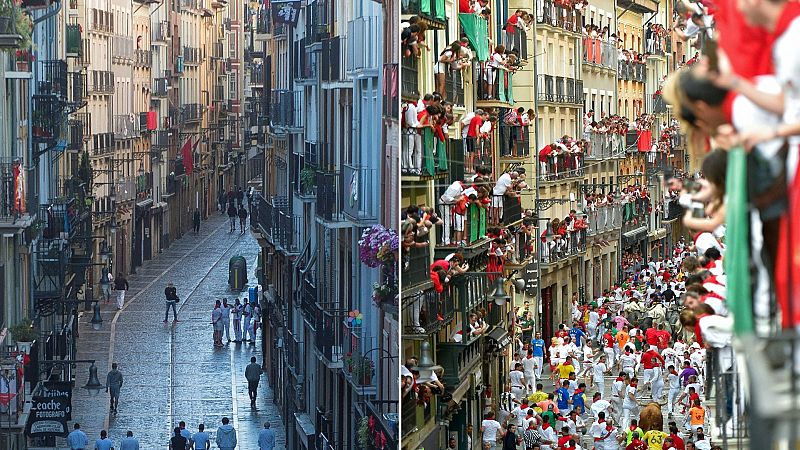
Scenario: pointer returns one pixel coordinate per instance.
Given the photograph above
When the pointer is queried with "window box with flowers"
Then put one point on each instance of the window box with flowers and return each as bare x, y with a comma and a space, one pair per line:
370, 436
362, 369
378, 246
24, 59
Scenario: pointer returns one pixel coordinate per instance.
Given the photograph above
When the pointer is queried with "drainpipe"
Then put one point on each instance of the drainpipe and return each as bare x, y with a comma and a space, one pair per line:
537, 167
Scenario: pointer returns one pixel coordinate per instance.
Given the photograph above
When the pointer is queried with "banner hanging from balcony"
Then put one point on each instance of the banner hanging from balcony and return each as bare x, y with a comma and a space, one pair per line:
19, 187
186, 154
285, 12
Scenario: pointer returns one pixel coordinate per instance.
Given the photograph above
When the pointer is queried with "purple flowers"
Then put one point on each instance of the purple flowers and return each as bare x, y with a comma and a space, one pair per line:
378, 245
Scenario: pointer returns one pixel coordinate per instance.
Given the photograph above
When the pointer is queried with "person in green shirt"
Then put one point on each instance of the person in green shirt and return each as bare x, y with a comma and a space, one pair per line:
549, 413
633, 428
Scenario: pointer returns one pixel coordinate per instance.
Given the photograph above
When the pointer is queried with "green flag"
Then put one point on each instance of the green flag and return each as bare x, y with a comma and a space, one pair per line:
737, 239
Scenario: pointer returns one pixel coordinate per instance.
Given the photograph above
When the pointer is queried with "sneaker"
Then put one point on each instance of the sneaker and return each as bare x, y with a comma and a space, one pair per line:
439, 318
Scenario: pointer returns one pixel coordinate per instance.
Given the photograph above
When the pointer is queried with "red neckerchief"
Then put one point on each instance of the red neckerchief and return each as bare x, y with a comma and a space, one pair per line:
633, 384
545, 426
620, 379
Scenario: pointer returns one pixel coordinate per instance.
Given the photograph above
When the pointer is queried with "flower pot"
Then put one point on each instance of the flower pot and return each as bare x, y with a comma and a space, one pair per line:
5, 21
365, 380
22, 66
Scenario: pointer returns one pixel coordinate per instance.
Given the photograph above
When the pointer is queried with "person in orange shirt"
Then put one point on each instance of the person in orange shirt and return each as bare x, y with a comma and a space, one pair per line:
622, 338
697, 417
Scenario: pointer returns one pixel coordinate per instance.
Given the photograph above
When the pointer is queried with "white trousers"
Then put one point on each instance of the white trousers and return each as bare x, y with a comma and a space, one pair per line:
539, 366
120, 298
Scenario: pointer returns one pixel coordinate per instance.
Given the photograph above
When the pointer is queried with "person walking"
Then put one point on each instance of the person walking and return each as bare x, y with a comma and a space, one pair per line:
129, 442
105, 284
77, 439
236, 312
196, 221
247, 313
171, 297
121, 286
266, 438
232, 213
104, 443
226, 318
216, 321
256, 312
242, 217
186, 434
226, 435
240, 195
222, 200
253, 375
178, 442
201, 440
114, 381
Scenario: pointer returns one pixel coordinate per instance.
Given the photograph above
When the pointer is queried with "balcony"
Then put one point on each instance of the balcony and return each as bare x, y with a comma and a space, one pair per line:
476, 221
364, 51
560, 90
560, 166
632, 71
54, 79
518, 41
558, 16
514, 141
257, 76
102, 144
160, 88
559, 245
659, 104
160, 32
361, 199
599, 53
334, 59
391, 98
80, 129
409, 78
639, 6
415, 266
10, 210
605, 145
635, 217
123, 47
102, 82
426, 312
308, 67
498, 89
191, 112
143, 58
102, 21
263, 23
329, 196
432, 11
160, 139
126, 126
287, 109
45, 120
192, 56
454, 87
281, 227
77, 88
603, 218
85, 56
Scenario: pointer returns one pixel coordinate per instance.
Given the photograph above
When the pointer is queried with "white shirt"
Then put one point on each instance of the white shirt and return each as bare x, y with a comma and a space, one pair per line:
465, 123
627, 360
452, 193
490, 429
528, 365
502, 185
599, 370
627, 402
411, 116
594, 318
674, 381
600, 406
515, 376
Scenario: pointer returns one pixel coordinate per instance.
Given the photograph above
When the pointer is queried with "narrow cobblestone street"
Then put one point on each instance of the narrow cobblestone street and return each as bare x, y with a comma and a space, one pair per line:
172, 371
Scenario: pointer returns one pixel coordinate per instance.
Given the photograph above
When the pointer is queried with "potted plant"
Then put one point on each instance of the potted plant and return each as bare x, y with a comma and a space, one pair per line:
308, 179
363, 370
24, 59
24, 334
348, 361
378, 246
6, 13
384, 292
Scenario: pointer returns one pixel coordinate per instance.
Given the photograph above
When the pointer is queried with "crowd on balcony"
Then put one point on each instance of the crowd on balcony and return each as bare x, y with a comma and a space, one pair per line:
656, 37
606, 137
599, 45
563, 158
425, 132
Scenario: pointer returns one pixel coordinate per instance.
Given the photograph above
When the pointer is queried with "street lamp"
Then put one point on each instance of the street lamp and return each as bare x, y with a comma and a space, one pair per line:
113, 194
94, 381
97, 319
426, 367
500, 296
105, 250
113, 227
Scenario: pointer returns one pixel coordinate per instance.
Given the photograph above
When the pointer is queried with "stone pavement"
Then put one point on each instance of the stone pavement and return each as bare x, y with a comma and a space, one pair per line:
172, 371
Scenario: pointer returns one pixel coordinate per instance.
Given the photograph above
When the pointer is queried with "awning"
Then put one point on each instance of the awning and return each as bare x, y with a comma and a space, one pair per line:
635, 233
500, 336
144, 205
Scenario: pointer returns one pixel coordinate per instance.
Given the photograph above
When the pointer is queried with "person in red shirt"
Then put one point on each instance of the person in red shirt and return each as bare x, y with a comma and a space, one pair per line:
465, 6
663, 337
651, 336
636, 443
562, 332
473, 134
677, 441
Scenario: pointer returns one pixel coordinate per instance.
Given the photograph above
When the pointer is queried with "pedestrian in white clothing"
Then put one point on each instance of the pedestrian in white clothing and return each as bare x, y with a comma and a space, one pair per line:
517, 379
529, 371
247, 314
226, 318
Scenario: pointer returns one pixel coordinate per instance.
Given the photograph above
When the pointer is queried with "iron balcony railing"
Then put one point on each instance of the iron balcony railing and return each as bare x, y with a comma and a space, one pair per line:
160, 139
143, 58
361, 201
603, 218
191, 112
160, 31
334, 59
391, 96
53, 79
85, 55
415, 266
557, 245
12, 200
45, 120
599, 53
454, 87
102, 21
264, 22
498, 87
77, 87
102, 143
517, 41
287, 108
160, 87
659, 104
329, 196
558, 16
434, 10
191, 56
102, 82
557, 89
515, 140
126, 126
426, 312
561, 166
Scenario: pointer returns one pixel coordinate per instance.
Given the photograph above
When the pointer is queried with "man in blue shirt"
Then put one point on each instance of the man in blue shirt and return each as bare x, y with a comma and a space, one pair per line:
537, 345
185, 433
266, 438
563, 397
577, 335
104, 443
201, 439
129, 442
77, 439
